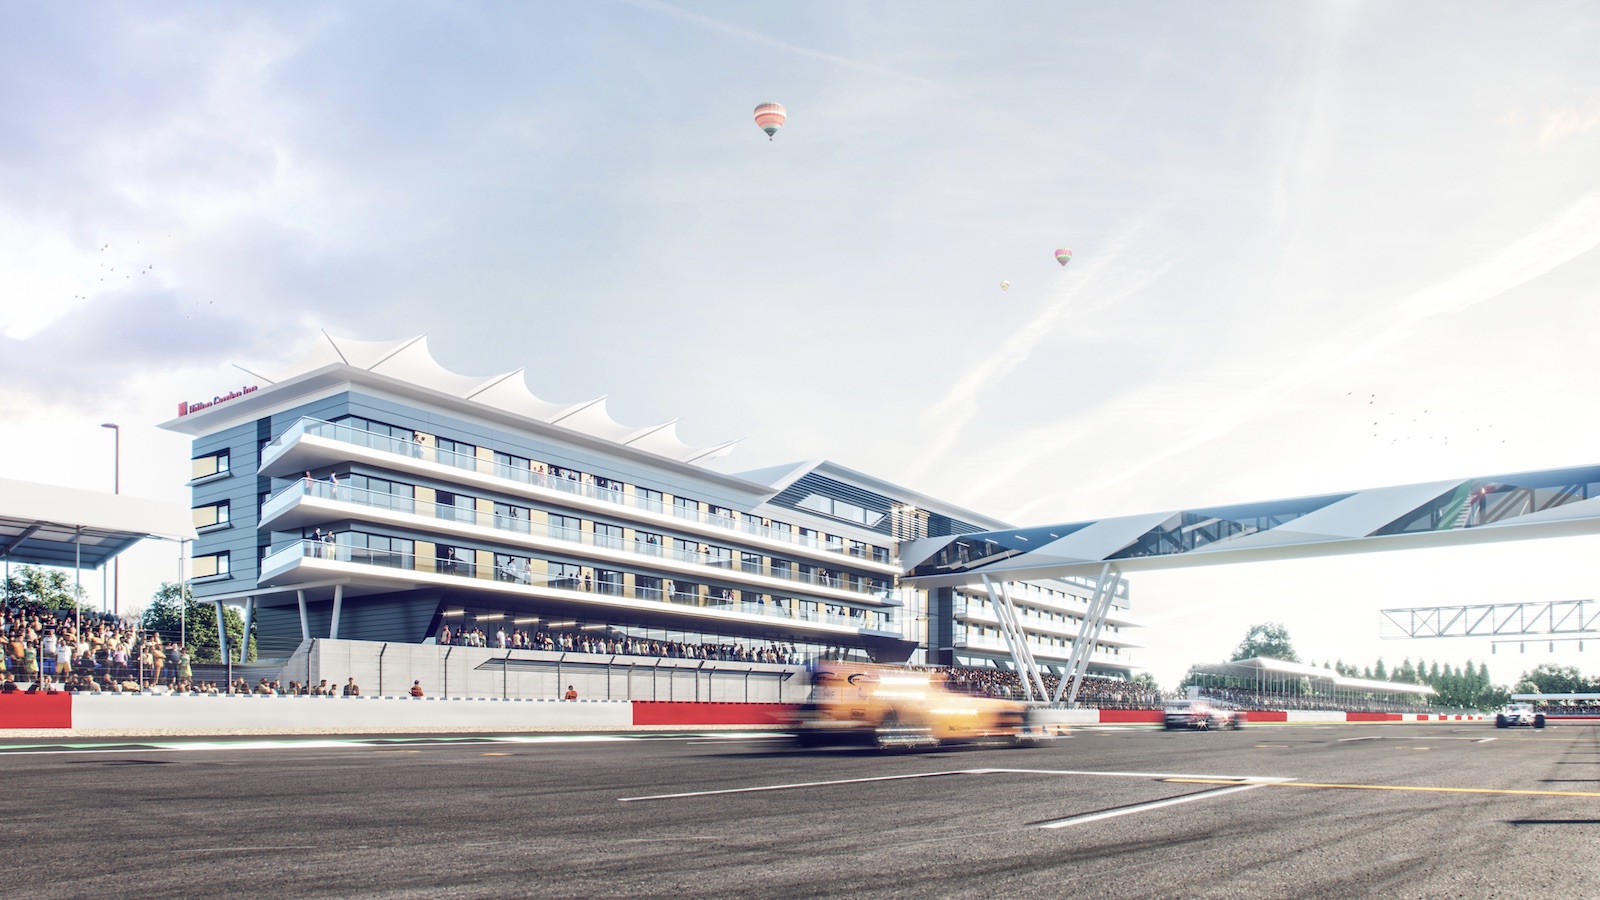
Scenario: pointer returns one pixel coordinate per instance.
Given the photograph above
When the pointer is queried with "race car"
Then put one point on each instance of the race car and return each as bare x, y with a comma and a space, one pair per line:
893, 707
1518, 715
1201, 714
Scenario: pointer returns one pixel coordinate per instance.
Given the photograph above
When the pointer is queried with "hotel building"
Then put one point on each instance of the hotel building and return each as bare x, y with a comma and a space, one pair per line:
369, 494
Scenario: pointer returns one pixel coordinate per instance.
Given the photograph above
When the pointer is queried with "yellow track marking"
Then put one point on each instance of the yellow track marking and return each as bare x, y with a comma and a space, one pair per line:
494, 754
1390, 787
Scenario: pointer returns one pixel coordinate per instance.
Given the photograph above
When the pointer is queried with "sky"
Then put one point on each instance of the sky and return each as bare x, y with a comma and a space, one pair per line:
1317, 247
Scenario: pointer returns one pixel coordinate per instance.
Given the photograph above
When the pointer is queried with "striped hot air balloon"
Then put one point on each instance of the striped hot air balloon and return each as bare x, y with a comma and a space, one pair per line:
770, 117
1063, 255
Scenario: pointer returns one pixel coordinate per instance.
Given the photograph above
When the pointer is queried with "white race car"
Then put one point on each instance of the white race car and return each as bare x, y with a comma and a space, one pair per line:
1518, 714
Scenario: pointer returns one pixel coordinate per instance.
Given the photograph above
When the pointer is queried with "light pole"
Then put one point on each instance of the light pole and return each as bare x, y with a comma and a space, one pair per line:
116, 488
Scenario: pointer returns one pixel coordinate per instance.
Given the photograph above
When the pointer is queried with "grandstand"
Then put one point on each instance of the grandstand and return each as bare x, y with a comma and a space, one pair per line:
1261, 683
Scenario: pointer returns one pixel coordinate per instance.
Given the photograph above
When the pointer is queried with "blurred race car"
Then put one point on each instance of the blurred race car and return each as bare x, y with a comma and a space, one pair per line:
1518, 714
1202, 714
889, 707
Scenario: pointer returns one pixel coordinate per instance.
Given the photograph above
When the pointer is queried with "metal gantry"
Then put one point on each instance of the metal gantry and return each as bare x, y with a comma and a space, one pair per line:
1537, 618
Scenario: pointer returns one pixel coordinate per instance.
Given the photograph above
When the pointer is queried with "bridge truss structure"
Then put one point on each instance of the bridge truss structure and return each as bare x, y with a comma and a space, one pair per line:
1570, 619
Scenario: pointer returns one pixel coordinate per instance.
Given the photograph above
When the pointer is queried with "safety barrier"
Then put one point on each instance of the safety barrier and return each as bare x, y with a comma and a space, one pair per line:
147, 713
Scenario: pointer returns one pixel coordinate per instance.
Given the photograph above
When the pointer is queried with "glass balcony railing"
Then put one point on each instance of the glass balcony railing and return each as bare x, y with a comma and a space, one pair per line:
794, 611
342, 493
568, 485
1069, 627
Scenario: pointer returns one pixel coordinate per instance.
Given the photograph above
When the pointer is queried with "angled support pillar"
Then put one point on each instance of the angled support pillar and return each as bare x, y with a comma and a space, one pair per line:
244, 645
1089, 632
222, 630
1016, 641
305, 628
338, 606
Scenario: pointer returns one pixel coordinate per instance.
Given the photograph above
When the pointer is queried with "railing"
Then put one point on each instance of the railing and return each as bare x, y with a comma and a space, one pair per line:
1070, 626
569, 485
798, 611
344, 493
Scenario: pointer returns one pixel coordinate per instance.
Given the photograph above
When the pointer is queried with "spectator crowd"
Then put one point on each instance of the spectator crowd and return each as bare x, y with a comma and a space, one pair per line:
91, 652
618, 645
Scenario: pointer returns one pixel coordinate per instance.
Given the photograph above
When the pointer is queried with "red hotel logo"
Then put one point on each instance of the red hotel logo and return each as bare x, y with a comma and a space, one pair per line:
184, 408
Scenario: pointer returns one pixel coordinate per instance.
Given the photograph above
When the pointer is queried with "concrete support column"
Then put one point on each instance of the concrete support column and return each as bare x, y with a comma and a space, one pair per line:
338, 604
249, 613
305, 627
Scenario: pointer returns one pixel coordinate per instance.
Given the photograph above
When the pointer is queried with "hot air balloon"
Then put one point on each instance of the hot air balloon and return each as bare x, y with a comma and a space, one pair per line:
1005, 285
770, 117
1063, 255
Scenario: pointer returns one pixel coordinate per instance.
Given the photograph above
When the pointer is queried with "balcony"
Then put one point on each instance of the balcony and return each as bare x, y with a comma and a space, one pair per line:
985, 615
313, 444
303, 504
397, 570
964, 640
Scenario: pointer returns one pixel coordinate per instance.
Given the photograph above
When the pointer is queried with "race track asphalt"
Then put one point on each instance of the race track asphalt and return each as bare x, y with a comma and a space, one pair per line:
1457, 810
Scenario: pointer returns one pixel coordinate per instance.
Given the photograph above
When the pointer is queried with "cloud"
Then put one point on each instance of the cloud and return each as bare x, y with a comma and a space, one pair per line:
1570, 233
1564, 123
1103, 280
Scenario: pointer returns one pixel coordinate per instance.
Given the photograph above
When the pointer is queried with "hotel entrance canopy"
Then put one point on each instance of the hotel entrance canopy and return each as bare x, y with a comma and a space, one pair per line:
47, 525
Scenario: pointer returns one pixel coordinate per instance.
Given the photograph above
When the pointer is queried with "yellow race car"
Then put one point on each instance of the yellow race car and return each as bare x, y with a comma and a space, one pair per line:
891, 706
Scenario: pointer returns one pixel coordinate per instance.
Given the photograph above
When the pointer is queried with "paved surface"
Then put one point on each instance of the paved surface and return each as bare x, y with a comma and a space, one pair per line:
1340, 811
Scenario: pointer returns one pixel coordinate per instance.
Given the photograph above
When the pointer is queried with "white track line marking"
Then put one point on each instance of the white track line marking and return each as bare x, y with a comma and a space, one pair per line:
1156, 804
1241, 779
1370, 737
1483, 740
800, 784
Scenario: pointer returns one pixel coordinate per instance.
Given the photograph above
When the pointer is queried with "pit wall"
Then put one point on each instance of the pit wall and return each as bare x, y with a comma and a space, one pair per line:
147, 713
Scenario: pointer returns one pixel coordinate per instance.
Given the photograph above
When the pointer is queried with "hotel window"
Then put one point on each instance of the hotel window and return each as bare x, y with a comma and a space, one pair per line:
840, 509
647, 587
456, 453
566, 528
518, 466
720, 515
512, 568
208, 465
719, 556
565, 575
609, 489
211, 514
780, 568
685, 551
608, 581
686, 508
211, 565
381, 492
511, 518
750, 562
647, 543
608, 535
648, 499
378, 550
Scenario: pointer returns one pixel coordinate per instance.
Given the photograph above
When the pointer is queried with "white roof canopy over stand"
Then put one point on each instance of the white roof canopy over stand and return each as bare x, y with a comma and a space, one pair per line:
43, 524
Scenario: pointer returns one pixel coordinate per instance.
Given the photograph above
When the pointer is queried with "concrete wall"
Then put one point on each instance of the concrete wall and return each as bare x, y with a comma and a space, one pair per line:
389, 669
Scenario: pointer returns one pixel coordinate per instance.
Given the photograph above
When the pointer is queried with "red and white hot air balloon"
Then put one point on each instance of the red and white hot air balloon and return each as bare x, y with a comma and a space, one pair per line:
770, 117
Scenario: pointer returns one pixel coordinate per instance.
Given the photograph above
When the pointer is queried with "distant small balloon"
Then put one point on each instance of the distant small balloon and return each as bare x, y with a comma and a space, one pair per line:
1063, 255
1005, 285
770, 117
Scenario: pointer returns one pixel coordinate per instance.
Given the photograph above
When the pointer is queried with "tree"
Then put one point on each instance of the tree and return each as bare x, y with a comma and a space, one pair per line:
1379, 673
49, 588
1269, 640
1145, 680
1550, 678
198, 623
